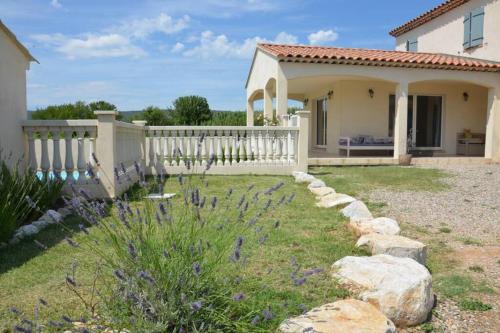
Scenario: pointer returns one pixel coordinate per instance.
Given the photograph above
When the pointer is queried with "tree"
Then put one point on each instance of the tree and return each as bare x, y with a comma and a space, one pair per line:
102, 106
78, 110
155, 116
191, 110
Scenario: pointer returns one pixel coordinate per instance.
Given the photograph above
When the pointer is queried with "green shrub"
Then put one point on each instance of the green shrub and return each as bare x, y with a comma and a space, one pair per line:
21, 189
474, 305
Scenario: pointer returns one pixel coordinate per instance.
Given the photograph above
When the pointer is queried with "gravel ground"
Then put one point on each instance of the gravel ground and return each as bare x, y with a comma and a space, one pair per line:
467, 218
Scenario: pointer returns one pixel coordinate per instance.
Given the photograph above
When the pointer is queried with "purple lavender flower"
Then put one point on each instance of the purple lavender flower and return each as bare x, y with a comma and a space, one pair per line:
43, 302
146, 276
131, 250
83, 229
250, 187
67, 319
119, 274
197, 268
21, 329
166, 254
55, 215
196, 306
302, 308
255, 320
268, 315
15, 311
229, 192
268, 204
299, 282
313, 271
276, 224
137, 167
117, 175
90, 170
214, 202
238, 297
291, 197
174, 246
122, 166
163, 210
158, 218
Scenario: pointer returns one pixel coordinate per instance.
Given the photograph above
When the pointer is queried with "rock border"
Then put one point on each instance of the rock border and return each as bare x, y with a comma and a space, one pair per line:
361, 221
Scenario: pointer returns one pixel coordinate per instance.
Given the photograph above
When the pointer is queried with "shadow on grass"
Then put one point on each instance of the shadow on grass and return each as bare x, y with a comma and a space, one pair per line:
16, 255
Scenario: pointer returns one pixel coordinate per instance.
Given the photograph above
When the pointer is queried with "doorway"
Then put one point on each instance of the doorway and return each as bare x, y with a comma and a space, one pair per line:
321, 121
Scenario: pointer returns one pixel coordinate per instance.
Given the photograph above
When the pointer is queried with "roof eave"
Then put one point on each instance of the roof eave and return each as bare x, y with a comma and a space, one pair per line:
16, 42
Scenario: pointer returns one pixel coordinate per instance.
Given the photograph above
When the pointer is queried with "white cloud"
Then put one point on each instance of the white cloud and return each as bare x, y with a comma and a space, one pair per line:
144, 27
323, 37
55, 4
92, 46
214, 46
177, 47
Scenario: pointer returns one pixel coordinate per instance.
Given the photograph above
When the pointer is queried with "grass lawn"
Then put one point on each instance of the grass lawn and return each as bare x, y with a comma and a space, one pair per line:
315, 237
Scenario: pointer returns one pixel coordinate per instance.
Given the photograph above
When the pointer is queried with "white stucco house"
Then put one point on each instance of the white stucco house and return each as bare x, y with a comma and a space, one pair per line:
437, 94
15, 60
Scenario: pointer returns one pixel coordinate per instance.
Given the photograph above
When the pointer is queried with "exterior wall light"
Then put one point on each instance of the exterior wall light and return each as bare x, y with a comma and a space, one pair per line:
330, 94
466, 96
371, 92
306, 101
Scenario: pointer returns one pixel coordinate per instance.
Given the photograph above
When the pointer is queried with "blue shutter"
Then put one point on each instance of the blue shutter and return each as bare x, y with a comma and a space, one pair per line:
477, 27
413, 45
467, 22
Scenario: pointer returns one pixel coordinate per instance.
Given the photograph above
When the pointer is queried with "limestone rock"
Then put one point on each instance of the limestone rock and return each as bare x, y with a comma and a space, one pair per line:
397, 246
399, 287
321, 191
335, 199
345, 316
40, 224
302, 177
317, 183
357, 211
380, 225
26, 231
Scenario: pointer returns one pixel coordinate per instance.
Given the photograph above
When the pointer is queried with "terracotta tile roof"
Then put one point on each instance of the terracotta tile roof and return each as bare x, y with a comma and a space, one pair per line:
427, 16
350, 56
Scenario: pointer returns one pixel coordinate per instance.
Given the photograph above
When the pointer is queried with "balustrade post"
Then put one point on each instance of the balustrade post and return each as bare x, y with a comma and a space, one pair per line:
233, 148
106, 151
303, 141
241, 147
56, 152
31, 149
248, 150
141, 123
219, 148
68, 159
45, 162
80, 133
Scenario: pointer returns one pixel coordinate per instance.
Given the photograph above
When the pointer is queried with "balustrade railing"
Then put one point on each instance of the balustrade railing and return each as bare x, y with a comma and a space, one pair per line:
222, 146
110, 150
61, 148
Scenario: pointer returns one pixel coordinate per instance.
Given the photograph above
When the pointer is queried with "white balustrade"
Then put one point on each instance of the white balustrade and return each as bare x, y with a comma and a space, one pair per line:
230, 147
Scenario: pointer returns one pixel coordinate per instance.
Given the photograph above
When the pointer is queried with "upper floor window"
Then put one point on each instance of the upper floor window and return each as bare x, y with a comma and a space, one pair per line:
473, 28
412, 45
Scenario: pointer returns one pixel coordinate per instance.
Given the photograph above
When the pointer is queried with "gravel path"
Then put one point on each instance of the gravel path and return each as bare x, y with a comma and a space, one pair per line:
467, 218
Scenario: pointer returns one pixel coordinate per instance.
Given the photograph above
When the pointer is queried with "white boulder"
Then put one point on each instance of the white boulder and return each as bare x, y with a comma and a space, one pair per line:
317, 183
380, 225
397, 246
399, 287
335, 199
345, 316
321, 191
302, 177
40, 224
26, 231
357, 210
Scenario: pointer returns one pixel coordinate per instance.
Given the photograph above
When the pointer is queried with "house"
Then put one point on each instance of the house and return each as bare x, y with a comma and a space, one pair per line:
15, 59
437, 93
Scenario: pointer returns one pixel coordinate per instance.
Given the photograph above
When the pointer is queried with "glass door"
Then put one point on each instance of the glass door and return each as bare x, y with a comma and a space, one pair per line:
321, 117
428, 121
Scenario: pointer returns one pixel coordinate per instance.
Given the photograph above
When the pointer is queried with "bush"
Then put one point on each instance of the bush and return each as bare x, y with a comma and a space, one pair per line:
21, 191
78, 110
191, 110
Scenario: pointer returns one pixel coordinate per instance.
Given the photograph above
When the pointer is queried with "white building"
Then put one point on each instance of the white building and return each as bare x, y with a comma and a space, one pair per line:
15, 60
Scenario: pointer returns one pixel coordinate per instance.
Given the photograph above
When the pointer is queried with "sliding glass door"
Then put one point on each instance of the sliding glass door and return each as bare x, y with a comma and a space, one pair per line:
321, 117
425, 114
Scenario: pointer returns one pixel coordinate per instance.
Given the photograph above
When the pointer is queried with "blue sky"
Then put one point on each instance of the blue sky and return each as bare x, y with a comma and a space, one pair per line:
136, 53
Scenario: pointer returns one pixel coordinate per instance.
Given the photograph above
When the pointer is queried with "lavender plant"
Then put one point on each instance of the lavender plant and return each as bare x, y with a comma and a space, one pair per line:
178, 265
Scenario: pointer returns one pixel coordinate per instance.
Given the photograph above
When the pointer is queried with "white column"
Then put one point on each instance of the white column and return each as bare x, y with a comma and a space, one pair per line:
492, 142
106, 151
401, 121
281, 95
249, 112
268, 104
303, 144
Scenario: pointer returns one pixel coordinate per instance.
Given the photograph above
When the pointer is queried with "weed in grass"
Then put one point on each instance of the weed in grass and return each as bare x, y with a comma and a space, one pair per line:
476, 268
445, 230
427, 327
474, 305
471, 241
459, 286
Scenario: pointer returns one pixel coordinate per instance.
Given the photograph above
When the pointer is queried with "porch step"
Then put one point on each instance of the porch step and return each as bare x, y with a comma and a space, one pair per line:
452, 160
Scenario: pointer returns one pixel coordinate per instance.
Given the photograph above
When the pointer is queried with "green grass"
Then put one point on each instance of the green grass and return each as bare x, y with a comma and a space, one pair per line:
476, 268
474, 305
445, 230
359, 180
471, 241
316, 237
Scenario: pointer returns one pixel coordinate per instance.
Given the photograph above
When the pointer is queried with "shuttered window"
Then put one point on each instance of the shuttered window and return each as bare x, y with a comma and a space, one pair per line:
412, 45
473, 28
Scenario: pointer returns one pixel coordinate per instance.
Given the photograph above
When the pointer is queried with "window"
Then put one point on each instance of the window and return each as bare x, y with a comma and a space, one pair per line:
473, 28
412, 45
